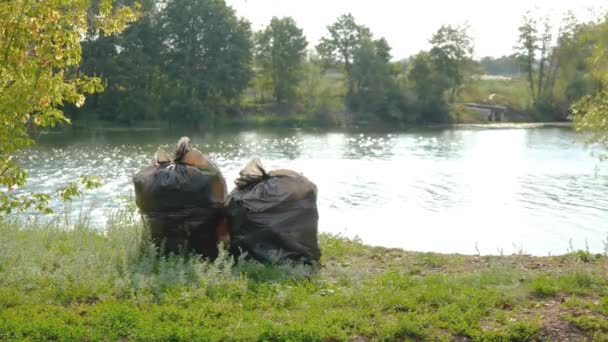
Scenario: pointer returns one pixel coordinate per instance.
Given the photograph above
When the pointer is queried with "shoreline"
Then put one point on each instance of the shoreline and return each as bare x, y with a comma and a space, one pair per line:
371, 128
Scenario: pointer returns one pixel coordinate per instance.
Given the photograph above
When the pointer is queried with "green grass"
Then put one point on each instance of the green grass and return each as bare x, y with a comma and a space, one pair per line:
79, 283
513, 92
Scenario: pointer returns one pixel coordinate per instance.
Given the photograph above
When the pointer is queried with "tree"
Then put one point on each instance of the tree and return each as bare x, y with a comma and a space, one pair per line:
505, 65
429, 88
373, 78
186, 62
526, 50
545, 51
39, 44
591, 117
280, 51
451, 53
130, 65
322, 96
339, 46
570, 78
591, 112
535, 51
208, 52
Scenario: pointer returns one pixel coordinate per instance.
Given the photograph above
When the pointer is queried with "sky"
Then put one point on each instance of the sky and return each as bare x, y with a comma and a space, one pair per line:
408, 25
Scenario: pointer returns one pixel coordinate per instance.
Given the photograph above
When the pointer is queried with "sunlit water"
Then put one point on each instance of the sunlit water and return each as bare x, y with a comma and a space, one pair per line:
455, 190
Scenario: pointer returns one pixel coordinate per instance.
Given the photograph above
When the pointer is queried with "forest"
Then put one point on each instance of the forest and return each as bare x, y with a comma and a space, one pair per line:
196, 63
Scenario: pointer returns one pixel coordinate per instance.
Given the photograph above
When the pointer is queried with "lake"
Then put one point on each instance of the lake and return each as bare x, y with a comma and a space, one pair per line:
457, 190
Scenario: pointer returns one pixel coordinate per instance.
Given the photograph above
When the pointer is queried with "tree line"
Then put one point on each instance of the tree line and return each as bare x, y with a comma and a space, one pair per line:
195, 63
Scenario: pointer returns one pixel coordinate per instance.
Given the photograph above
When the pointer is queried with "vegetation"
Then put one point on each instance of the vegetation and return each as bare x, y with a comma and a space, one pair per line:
345, 36
75, 283
280, 52
451, 53
195, 63
503, 66
207, 51
591, 112
40, 44
428, 88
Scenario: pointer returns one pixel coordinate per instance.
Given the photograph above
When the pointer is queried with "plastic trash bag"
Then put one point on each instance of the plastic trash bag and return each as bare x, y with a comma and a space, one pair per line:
272, 216
182, 201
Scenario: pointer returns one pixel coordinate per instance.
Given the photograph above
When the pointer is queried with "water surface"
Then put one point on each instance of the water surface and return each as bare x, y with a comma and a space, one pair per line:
444, 190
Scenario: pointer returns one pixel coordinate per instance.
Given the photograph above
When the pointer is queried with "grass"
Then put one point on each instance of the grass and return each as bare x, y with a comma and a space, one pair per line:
79, 283
513, 92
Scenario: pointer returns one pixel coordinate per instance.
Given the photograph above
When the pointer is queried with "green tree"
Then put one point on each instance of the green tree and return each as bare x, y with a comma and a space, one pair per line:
526, 49
557, 72
591, 112
344, 37
39, 44
280, 51
429, 88
570, 77
208, 56
374, 84
535, 51
130, 65
451, 54
504, 65
322, 96
261, 83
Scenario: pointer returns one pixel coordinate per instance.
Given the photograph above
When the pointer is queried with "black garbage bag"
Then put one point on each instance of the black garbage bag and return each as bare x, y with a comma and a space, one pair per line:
183, 202
272, 216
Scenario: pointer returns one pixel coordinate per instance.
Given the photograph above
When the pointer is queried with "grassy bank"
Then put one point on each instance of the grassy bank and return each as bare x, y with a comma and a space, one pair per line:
80, 284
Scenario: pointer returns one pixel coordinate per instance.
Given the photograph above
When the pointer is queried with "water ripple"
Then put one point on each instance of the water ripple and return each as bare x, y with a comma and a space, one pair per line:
431, 190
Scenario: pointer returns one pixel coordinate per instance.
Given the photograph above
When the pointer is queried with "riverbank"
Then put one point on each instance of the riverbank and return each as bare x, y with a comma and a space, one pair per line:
80, 284
297, 122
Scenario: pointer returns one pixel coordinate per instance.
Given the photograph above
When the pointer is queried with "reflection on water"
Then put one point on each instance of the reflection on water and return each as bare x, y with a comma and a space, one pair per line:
432, 190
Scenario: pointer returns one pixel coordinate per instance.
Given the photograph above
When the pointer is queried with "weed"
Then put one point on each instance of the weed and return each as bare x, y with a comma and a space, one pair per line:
74, 282
543, 286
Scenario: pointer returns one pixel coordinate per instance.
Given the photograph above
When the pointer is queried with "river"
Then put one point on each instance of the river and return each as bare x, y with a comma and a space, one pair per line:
458, 190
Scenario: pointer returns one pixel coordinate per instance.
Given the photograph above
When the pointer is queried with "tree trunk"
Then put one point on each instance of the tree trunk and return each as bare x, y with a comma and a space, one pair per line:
531, 78
349, 77
541, 72
550, 82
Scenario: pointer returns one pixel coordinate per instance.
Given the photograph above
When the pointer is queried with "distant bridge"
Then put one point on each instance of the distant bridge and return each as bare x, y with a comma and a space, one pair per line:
494, 113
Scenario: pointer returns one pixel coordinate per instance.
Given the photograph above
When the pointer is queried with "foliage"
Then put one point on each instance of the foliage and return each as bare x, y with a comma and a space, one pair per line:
195, 63
372, 88
76, 283
429, 88
591, 116
280, 52
375, 87
186, 62
322, 97
207, 50
591, 112
344, 37
131, 70
451, 54
552, 67
503, 66
527, 49
39, 44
